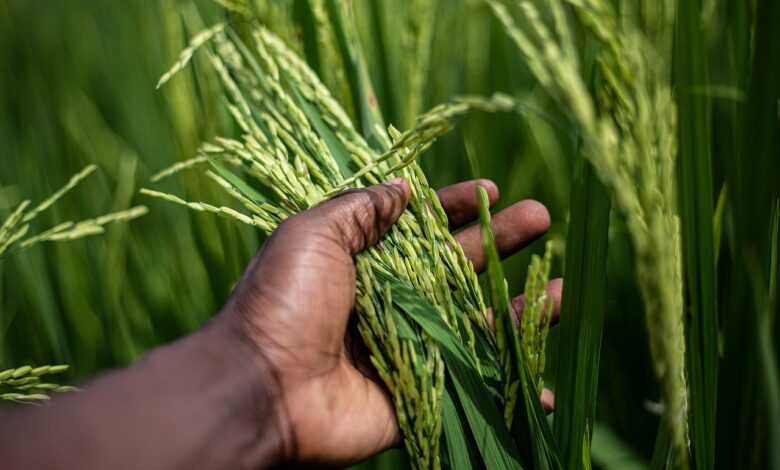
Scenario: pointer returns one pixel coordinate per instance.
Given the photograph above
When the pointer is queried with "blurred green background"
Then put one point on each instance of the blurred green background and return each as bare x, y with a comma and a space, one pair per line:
77, 86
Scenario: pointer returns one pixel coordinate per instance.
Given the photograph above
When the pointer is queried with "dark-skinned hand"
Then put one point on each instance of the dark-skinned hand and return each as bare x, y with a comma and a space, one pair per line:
278, 378
297, 296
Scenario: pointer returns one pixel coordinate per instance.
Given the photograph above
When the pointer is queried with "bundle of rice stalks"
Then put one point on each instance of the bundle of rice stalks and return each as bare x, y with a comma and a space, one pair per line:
464, 396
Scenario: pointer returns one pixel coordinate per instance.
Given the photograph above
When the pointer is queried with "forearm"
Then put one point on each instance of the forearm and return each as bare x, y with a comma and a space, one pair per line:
204, 402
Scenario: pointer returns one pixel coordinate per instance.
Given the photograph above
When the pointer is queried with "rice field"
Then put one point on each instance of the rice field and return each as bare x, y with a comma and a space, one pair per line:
149, 150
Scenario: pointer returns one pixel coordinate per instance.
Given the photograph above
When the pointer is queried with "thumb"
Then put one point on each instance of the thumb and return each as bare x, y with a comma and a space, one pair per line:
359, 218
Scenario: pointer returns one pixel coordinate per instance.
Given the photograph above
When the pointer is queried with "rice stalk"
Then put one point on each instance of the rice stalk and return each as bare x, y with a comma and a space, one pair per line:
510, 349
23, 384
16, 226
333, 68
366, 108
698, 231
537, 313
748, 368
298, 147
186, 55
416, 47
629, 134
240, 7
277, 14
582, 319
518, 358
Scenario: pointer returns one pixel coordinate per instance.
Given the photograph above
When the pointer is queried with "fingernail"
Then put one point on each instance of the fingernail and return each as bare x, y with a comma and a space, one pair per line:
400, 183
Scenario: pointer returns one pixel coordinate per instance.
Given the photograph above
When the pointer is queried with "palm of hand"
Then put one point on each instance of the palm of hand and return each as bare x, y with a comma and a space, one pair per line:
295, 302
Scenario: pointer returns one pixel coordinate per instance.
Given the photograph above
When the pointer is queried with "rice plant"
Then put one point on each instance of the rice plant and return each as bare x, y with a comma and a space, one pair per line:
628, 127
629, 132
14, 231
420, 308
23, 384
666, 352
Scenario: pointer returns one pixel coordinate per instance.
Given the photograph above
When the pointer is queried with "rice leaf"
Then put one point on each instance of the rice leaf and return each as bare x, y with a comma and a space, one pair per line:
538, 432
372, 124
741, 392
455, 434
525, 417
610, 452
491, 435
510, 350
387, 87
768, 347
695, 195
337, 149
582, 318
662, 452
245, 189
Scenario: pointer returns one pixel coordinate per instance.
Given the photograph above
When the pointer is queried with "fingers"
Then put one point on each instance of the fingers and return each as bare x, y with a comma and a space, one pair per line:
554, 294
514, 227
361, 217
460, 201
548, 400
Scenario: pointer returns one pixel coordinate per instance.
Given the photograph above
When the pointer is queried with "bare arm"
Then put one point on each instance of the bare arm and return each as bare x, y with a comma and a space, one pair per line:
275, 378
203, 402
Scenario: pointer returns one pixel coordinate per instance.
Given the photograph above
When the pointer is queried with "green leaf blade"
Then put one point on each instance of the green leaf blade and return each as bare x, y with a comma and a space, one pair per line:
486, 424
582, 317
696, 217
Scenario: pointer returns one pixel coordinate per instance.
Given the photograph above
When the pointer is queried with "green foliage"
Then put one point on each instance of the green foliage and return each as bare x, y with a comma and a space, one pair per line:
667, 71
483, 419
522, 410
628, 132
14, 229
23, 384
755, 144
582, 319
298, 144
537, 314
697, 220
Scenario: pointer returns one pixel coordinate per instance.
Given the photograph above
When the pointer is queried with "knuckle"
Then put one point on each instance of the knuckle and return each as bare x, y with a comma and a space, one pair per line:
291, 224
353, 218
356, 219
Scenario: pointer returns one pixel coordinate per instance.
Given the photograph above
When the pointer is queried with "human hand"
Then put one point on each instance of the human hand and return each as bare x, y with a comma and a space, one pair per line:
294, 305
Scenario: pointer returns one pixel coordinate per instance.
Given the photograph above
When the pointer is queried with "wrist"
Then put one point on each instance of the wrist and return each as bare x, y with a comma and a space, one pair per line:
254, 392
